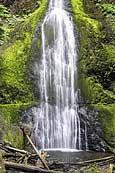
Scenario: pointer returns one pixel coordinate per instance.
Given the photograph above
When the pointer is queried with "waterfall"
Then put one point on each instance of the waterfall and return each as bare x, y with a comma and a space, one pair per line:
57, 123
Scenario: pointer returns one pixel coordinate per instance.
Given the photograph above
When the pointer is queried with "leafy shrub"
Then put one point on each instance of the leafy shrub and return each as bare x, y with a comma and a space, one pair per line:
3, 11
108, 9
98, 1
4, 15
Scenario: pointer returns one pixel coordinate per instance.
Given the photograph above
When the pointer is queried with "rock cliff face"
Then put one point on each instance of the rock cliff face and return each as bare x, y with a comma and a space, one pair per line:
95, 21
96, 24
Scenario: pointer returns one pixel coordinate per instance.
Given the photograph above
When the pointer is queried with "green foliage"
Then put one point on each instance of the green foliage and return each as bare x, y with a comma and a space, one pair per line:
22, 7
97, 60
14, 135
8, 22
3, 12
98, 1
81, 18
108, 9
11, 112
4, 16
14, 14
9, 119
101, 63
96, 93
15, 86
97, 64
107, 119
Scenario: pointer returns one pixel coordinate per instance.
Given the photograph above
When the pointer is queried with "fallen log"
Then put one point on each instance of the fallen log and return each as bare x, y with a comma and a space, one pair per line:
13, 154
35, 149
6, 155
25, 131
96, 160
12, 149
22, 167
16, 150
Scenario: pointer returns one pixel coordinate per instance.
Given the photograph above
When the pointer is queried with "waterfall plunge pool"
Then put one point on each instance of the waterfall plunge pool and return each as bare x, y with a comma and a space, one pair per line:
72, 157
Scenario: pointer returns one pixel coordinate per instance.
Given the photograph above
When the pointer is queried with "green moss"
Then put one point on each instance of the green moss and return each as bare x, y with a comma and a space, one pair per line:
110, 50
16, 91
89, 29
80, 16
13, 135
15, 76
9, 120
107, 119
96, 64
11, 112
38, 43
96, 93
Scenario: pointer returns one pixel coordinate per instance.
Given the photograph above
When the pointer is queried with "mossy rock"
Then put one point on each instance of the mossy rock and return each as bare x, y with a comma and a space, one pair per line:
97, 58
107, 118
96, 63
16, 89
15, 84
9, 123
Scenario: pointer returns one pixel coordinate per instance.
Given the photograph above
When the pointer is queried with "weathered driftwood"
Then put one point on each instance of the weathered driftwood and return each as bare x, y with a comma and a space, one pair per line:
96, 160
22, 156
35, 149
12, 149
26, 131
17, 155
22, 167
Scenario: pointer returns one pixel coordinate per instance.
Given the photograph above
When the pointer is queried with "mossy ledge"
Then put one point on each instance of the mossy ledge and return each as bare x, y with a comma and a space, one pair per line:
96, 63
15, 84
16, 91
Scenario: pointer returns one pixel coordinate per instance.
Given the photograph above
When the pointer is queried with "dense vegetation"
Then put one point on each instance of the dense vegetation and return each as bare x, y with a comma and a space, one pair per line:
18, 26
96, 23
18, 23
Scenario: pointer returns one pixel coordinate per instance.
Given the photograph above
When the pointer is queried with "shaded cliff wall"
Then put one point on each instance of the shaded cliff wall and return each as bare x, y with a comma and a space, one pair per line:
96, 23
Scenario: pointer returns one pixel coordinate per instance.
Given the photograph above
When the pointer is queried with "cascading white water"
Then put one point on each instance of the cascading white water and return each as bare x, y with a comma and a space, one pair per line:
57, 122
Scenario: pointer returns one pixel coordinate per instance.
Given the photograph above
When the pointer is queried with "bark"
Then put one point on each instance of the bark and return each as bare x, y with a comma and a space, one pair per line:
22, 167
